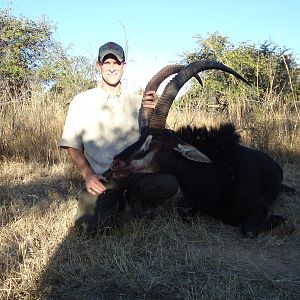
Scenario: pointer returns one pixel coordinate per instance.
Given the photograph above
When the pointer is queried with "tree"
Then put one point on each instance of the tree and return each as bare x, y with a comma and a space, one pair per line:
268, 67
24, 44
31, 57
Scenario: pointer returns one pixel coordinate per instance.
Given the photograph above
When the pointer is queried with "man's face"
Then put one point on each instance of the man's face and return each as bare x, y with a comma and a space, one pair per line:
111, 70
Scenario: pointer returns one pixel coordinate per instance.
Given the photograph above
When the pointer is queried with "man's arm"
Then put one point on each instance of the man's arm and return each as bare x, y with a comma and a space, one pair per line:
92, 182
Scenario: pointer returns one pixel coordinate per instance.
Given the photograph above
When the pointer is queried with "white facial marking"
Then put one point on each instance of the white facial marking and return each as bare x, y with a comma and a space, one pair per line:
146, 144
142, 165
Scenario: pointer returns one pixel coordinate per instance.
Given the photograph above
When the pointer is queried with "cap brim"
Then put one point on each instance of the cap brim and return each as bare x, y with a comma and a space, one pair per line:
120, 58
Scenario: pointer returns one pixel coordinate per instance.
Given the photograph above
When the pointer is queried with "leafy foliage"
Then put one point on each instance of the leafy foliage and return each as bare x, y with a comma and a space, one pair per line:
269, 68
24, 44
31, 57
65, 75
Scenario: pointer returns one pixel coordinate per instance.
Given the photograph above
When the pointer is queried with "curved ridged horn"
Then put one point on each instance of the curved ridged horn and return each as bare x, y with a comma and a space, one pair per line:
153, 85
161, 111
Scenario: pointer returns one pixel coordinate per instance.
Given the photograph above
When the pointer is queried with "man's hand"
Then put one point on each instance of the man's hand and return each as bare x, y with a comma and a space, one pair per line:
150, 99
94, 184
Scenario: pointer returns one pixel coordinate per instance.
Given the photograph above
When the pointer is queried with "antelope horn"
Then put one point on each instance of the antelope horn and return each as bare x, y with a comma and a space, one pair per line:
153, 85
162, 108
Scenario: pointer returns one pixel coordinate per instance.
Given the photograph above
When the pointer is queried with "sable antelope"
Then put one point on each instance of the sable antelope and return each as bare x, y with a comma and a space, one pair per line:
218, 176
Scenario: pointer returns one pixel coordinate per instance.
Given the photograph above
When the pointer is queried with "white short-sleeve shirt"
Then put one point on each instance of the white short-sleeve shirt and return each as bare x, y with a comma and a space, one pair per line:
101, 125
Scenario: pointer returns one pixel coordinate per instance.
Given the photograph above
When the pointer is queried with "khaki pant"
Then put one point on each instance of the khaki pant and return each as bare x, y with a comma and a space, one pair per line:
146, 190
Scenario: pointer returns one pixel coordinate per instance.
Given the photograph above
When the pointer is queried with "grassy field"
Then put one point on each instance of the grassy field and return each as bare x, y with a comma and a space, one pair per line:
158, 258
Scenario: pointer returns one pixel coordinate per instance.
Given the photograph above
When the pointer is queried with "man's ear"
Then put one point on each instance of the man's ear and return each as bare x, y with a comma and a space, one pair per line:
98, 66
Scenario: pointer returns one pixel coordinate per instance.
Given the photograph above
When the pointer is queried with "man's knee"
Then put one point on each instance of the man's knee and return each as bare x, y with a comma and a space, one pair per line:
97, 210
86, 204
159, 185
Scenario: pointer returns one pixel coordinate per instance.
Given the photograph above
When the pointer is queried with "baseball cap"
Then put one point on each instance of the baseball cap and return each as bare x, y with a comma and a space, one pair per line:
111, 48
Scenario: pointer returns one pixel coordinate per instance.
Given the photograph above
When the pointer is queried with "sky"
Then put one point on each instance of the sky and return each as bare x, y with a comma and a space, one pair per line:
156, 33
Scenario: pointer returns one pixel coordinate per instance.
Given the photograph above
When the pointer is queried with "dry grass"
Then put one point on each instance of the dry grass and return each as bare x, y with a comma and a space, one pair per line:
31, 130
161, 258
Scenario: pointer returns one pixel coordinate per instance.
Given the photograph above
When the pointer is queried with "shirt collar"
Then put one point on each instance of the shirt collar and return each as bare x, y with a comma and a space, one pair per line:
109, 96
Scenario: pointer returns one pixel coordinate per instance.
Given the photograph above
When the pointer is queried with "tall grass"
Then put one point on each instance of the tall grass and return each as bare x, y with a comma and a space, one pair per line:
30, 130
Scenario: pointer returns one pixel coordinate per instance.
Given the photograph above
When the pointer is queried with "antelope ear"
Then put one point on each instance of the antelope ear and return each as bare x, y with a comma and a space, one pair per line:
192, 153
